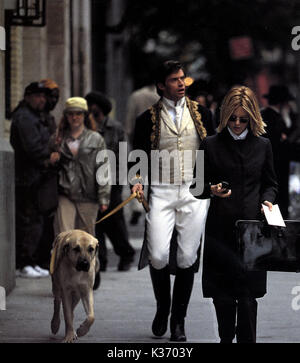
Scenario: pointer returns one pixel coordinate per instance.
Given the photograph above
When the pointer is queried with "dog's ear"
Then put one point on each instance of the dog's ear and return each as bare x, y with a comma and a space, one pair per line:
57, 250
66, 249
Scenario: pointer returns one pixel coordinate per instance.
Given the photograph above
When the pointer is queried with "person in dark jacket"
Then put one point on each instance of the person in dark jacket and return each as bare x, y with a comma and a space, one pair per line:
239, 155
52, 97
29, 137
175, 124
278, 132
115, 226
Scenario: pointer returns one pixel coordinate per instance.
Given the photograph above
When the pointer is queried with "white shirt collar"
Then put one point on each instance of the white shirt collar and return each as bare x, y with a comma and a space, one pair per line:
242, 136
171, 103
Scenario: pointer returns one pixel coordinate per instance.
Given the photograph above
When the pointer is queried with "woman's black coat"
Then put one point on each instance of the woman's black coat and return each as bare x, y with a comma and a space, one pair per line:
248, 166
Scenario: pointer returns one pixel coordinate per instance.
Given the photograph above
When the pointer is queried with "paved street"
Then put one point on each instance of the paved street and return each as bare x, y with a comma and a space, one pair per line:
124, 309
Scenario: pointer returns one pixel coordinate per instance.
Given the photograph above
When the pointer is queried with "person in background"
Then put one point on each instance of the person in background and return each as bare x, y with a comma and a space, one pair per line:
200, 92
277, 131
115, 226
80, 193
239, 155
52, 98
29, 136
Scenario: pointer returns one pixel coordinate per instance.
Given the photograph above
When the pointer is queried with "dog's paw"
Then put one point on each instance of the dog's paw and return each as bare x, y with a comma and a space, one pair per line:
55, 323
70, 337
83, 329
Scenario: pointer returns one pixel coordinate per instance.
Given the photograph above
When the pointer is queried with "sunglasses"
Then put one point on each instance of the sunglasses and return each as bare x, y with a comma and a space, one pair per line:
243, 120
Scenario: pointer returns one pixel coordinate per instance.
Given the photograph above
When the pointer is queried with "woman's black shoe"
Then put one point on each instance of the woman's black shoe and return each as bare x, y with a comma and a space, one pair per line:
177, 331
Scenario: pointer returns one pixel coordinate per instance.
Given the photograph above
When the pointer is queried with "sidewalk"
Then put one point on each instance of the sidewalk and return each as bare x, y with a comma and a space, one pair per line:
125, 307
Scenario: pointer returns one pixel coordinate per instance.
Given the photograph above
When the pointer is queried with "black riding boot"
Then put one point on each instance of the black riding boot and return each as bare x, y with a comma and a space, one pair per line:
161, 287
183, 286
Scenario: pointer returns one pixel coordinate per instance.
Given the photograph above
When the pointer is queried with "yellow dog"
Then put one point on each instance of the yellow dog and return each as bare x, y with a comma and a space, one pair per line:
73, 267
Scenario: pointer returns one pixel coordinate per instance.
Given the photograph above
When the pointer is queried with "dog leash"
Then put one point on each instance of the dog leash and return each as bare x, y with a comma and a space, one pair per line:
121, 205
115, 210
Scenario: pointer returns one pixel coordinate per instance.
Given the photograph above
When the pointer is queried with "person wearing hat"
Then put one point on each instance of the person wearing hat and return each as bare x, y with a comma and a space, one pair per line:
29, 136
115, 226
277, 131
80, 194
53, 93
52, 97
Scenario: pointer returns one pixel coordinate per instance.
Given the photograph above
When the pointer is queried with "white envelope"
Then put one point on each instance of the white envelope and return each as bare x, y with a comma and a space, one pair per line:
274, 217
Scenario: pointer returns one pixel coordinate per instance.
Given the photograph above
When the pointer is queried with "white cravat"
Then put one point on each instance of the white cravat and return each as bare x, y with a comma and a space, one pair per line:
175, 112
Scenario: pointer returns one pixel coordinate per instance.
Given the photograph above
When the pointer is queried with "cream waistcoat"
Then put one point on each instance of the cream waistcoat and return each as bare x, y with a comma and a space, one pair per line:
175, 158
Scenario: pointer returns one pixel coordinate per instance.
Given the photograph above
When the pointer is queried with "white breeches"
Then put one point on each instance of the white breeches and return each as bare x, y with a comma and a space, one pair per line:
174, 206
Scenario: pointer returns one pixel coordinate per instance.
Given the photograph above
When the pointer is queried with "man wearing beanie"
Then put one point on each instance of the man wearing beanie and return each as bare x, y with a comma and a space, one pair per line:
115, 226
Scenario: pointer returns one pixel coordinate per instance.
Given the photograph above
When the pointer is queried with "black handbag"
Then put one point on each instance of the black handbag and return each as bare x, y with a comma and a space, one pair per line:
269, 248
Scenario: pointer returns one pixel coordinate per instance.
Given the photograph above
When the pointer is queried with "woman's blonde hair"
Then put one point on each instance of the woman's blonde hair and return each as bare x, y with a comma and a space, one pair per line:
64, 126
241, 96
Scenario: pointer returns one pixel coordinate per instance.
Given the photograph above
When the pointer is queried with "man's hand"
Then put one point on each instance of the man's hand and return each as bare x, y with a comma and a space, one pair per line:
138, 188
103, 207
219, 191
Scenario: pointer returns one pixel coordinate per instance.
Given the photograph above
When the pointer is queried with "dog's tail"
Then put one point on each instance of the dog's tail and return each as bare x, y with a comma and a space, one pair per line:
53, 258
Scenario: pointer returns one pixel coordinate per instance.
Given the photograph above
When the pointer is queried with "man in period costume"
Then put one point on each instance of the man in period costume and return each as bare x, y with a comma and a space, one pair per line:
173, 124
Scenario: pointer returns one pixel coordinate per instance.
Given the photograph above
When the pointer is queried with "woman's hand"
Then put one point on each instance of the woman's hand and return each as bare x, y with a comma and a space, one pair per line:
219, 191
268, 204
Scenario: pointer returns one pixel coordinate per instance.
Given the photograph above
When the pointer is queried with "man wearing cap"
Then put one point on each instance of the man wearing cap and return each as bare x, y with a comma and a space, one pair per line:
52, 97
29, 136
115, 226
277, 131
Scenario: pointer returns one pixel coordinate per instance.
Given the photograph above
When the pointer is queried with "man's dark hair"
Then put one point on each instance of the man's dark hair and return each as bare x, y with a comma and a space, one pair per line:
164, 70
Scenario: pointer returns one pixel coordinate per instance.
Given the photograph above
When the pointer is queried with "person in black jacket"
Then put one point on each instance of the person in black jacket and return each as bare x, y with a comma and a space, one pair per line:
114, 227
175, 124
278, 133
239, 155
29, 136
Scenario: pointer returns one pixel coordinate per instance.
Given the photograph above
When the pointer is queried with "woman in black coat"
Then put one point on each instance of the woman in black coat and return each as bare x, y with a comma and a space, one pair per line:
239, 155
